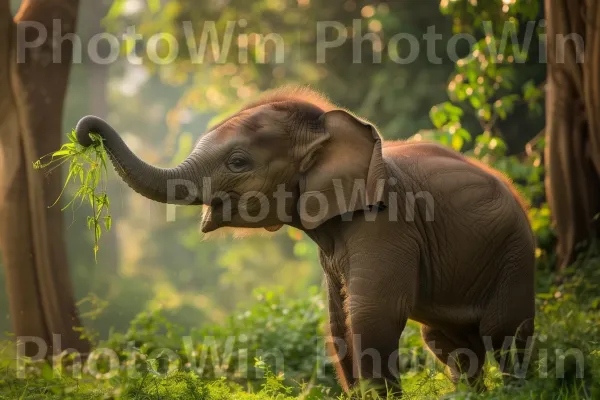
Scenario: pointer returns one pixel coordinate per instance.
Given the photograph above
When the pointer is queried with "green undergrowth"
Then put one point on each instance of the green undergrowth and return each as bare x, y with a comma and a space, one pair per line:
243, 366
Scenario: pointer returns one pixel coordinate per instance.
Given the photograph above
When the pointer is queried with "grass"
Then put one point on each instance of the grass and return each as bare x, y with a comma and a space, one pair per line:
568, 367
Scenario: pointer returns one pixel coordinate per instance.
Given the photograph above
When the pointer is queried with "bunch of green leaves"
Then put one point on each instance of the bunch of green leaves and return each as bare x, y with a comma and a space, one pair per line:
87, 169
486, 86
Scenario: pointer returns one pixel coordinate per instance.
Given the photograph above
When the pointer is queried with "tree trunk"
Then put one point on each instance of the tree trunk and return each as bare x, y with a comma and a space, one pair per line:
31, 234
573, 123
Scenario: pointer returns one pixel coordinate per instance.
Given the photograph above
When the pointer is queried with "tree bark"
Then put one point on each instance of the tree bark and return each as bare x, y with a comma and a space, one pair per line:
573, 124
31, 234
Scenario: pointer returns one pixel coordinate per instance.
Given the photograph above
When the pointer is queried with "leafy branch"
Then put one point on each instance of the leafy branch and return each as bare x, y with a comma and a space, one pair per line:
87, 167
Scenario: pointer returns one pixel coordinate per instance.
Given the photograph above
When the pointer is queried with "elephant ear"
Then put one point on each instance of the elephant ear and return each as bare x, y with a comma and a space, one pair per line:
342, 170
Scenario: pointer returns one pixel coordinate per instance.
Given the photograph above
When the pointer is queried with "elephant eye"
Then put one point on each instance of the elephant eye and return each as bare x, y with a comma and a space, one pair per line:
238, 163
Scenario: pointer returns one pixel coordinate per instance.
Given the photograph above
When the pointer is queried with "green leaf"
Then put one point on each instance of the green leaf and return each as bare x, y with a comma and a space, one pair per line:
438, 117
47, 372
117, 8
108, 222
463, 133
472, 75
457, 142
61, 153
88, 178
501, 111
475, 102
452, 109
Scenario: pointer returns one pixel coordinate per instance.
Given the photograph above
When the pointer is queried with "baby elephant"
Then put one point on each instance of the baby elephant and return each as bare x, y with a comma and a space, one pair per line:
406, 230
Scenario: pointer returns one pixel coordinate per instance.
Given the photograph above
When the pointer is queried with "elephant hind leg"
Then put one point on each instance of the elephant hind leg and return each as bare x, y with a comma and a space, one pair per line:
463, 353
510, 346
509, 319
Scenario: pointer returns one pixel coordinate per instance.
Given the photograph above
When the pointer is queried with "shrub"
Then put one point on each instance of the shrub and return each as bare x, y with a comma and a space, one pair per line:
285, 334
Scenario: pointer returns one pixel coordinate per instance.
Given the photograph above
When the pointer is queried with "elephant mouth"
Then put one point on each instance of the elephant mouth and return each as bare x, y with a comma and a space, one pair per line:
213, 219
219, 214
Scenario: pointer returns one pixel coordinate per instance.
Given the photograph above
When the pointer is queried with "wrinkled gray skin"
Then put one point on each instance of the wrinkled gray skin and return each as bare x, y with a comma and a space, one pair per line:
467, 275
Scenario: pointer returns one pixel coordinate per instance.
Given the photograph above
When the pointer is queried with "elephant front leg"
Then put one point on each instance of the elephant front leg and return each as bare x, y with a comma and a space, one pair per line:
338, 346
375, 342
380, 298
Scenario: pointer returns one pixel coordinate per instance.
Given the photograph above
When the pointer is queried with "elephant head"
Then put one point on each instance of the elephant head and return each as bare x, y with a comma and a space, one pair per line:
289, 158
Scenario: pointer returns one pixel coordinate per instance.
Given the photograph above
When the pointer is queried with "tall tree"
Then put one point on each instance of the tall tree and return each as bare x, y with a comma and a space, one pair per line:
32, 91
573, 122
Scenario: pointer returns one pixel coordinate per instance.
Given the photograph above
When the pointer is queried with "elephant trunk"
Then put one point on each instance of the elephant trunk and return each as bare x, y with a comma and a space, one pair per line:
178, 185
